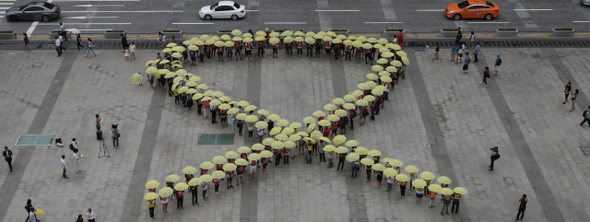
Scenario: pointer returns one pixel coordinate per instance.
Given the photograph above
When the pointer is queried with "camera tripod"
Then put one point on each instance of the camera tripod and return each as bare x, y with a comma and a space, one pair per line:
102, 148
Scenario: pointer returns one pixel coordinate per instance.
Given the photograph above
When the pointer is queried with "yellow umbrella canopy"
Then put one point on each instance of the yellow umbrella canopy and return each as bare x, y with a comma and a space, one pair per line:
324, 123
257, 146
299, 39
295, 125
411, 169
327, 39
396, 63
198, 96
254, 156
295, 137
333, 117
251, 118
236, 32
206, 165
218, 174
402, 177
389, 172
282, 137
378, 167
386, 79
299, 33
231, 154
374, 153
250, 108
189, 170
357, 44
288, 33
237, 39
460, 190
402, 53
434, 187
336, 41
261, 125
274, 117
193, 91
361, 150
372, 76
347, 42
367, 161
206, 178
406, 61
351, 157
232, 111
363, 86
266, 154
178, 48
338, 101
351, 143
136, 78
241, 162
357, 93
419, 183
382, 41
195, 182
446, 191
341, 113
274, 34
377, 92
309, 40
341, 149
309, 119
362, 102
318, 113
350, 97
203, 87
290, 144
151, 70
369, 98
377, 68
170, 45
150, 196
166, 192
340, 139
225, 99
283, 122
176, 55
219, 160
274, 40
309, 34
329, 148
349, 106
268, 141
176, 81
225, 37
218, 94
427, 175
215, 102
219, 44
396, 163
367, 46
193, 48
172, 178
248, 39
181, 186
382, 61
330, 107
331, 34
152, 184
243, 103
304, 134
288, 39
287, 130
241, 116
444, 179
229, 44
275, 131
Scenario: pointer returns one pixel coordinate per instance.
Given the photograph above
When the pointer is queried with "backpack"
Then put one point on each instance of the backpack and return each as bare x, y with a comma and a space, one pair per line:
497, 156
72, 147
499, 61
584, 113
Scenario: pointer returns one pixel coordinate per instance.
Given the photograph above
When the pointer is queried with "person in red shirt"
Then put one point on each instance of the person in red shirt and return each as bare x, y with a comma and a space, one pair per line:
229, 51
240, 171
249, 50
309, 50
278, 155
220, 54
328, 47
286, 156
299, 48
179, 199
216, 183
326, 131
261, 48
289, 48
208, 51
334, 128
264, 164
238, 46
348, 51
400, 39
275, 50
229, 175
336, 51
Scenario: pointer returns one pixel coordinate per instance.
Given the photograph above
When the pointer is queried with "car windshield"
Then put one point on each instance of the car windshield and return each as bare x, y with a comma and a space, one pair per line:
490, 4
237, 6
463, 4
48, 5
213, 6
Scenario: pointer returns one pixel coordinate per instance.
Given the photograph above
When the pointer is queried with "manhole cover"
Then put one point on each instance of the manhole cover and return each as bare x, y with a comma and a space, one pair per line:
585, 150
216, 139
37, 64
34, 140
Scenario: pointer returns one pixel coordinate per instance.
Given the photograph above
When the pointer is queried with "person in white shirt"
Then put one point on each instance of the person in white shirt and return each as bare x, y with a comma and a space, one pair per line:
90, 215
77, 157
62, 31
64, 166
32, 216
58, 46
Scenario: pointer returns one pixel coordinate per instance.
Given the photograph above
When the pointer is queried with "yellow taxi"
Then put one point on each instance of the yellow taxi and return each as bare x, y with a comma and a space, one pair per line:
473, 9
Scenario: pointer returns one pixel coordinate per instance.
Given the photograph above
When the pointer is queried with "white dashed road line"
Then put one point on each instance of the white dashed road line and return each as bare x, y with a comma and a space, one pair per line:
89, 5
430, 10
533, 9
91, 17
285, 23
328, 10
488, 22
382, 22
163, 11
194, 23
100, 23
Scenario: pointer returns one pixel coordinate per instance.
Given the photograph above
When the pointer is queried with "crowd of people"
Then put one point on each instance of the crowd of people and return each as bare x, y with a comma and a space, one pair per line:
278, 139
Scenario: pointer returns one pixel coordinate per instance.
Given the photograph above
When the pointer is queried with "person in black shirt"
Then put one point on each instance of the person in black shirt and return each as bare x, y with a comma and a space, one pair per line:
568, 89
8, 157
523, 200
495, 155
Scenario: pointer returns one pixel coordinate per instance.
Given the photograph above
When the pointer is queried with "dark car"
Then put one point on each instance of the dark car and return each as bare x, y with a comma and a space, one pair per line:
33, 11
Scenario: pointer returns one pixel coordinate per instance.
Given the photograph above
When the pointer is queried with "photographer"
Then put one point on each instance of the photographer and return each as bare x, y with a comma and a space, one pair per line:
495, 155
115, 135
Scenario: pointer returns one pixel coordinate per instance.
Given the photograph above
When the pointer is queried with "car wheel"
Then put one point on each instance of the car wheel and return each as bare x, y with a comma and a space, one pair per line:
12, 18
488, 17
45, 18
234, 17
207, 17
457, 16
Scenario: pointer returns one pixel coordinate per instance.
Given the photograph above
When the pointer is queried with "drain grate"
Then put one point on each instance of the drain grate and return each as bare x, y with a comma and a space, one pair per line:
216, 139
585, 150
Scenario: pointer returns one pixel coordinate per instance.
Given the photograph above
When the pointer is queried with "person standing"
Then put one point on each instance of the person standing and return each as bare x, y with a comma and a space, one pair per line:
471, 39
98, 121
459, 36
419, 195
400, 39
586, 117
62, 31
454, 51
446, 201
436, 50
179, 199
341, 158
476, 52
369, 171
132, 49
574, 96
80, 218
8, 157
379, 179
32, 216
497, 64
432, 196
466, 62
195, 194
567, 91
90, 215
74, 144
115, 135
355, 168
151, 206
402, 189
486, 75
495, 155
523, 200
77, 157
64, 166
165, 201
90, 48
79, 42
321, 151
456, 201
389, 181
26, 41
58, 46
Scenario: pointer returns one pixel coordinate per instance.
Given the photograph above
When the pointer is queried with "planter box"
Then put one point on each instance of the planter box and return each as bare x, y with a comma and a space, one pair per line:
114, 34
448, 33
7, 35
340, 31
563, 33
177, 34
222, 32
506, 32
393, 31
54, 33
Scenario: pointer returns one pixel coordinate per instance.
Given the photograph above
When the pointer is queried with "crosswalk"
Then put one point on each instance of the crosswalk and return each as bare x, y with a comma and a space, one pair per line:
4, 5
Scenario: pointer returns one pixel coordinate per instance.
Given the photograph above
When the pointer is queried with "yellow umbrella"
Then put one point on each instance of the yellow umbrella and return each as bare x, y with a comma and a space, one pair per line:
386, 160
219, 160
251, 118
263, 112
378, 167
274, 34
248, 39
215, 102
241, 162
367, 161
406, 61
363, 86
327, 39
341, 113
330, 107
295, 125
338, 101
181, 186
226, 37
336, 41
299, 33
395, 47
382, 61
257, 146
274, 40
351, 143
361, 150
193, 91
333, 118
232, 111
136, 78
241, 116
419, 183
261, 125
237, 39
219, 44
460, 190
277, 145
176, 81
243, 103
318, 113
386, 79
189, 170
304, 134
299, 39
202, 86
204, 37
268, 141
254, 156
288, 130
152, 184
369, 98
357, 93
250, 108
290, 144
170, 45
231, 155
402, 177
275, 131
434, 187
206, 165
340, 139
341, 149
387, 55
324, 123
372, 76
411, 169
172, 178
325, 139
206, 178
396, 63
316, 133
295, 137
382, 41
446, 191
288, 39
236, 32
362, 102
151, 70
176, 55
401, 54
427, 175
225, 99
229, 44
283, 122
147, 196
282, 137
178, 48
274, 117
166, 192
195, 182
374, 153
357, 44
224, 106
266, 154
329, 148
193, 48
309, 40
349, 106
218, 174
170, 75
396, 163
377, 92
377, 68
351, 157
389, 172
372, 40
347, 42
444, 180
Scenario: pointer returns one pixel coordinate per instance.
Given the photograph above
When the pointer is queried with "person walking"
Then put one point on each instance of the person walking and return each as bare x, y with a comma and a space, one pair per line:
574, 96
74, 144
62, 31
476, 52
77, 157
459, 36
79, 42
523, 200
497, 64
419, 195
369, 171
456, 201
26, 41
495, 155
132, 49
98, 121
151, 206
400, 39
32, 216
321, 151
471, 39
486, 75
58, 46
115, 135
379, 179
436, 50
466, 62
64, 166
586, 115
8, 157
567, 91
446, 201
90, 215
90, 48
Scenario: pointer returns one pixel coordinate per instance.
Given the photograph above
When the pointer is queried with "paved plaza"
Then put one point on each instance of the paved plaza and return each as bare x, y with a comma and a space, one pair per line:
438, 119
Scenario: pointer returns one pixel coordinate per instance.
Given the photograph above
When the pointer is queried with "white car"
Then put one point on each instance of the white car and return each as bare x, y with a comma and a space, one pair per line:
223, 10
585, 2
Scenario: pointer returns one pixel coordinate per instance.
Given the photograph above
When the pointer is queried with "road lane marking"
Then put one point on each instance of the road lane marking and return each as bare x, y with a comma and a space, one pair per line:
7, 0
430, 10
32, 28
382, 22
90, 17
488, 22
89, 5
87, 23
252, 10
329, 10
194, 23
95, 0
4, 8
580, 21
533, 9
6, 3
285, 23
163, 11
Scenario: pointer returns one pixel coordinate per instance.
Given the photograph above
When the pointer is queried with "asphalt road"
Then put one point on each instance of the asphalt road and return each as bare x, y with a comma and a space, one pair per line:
366, 16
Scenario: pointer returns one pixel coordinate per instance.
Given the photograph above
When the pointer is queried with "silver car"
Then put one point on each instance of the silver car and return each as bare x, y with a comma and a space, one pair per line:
33, 11
585, 2
223, 10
